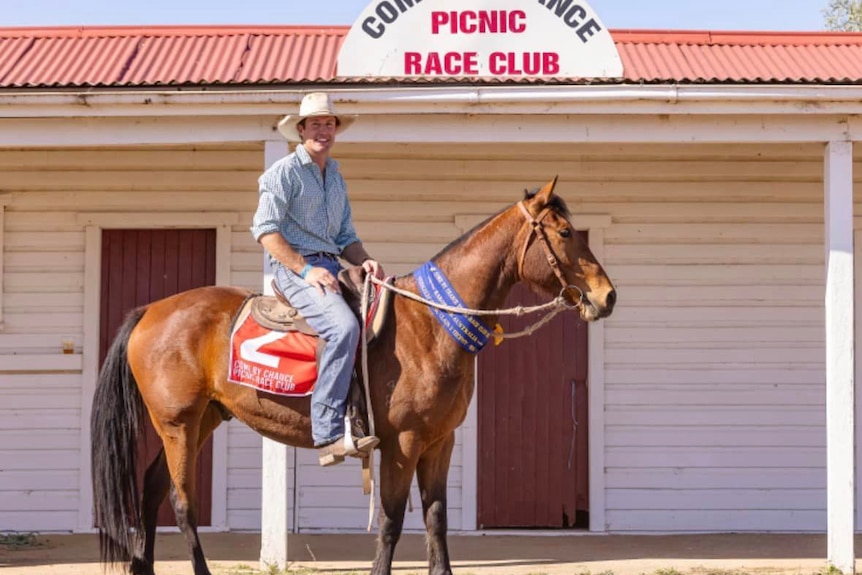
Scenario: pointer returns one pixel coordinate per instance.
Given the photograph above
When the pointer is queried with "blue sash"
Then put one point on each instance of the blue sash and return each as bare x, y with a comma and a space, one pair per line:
470, 332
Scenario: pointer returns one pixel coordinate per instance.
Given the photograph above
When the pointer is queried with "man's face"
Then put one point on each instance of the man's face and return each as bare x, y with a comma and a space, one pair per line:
318, 134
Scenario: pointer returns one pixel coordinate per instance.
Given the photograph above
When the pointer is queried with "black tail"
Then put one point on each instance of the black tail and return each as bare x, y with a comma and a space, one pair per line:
115, 426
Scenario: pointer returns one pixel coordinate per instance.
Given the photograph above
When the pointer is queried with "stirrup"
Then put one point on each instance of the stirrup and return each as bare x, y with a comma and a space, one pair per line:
357, 447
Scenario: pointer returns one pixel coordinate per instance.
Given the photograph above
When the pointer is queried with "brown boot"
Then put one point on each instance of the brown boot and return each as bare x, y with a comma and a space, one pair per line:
335, 452
332, 453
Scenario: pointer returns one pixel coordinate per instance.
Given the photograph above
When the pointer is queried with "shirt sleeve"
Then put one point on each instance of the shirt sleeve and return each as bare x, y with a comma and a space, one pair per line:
274, 201
346, 234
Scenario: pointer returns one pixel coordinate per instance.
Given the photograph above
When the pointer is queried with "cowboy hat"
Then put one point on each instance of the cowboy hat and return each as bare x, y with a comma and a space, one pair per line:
314, 104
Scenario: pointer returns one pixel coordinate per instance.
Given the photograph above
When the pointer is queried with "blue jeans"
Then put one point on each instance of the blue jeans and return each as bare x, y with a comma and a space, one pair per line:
330, 315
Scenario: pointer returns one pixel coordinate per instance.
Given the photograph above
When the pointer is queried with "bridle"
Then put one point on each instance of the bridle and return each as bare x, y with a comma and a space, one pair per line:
537, 228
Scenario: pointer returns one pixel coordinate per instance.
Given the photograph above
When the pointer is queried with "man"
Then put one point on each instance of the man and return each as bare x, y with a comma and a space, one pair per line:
303, 220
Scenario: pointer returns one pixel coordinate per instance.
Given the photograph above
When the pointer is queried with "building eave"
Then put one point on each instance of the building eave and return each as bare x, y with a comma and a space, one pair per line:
577, 100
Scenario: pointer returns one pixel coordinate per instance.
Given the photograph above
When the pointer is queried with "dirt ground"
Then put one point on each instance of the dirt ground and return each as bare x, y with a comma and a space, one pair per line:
237, 554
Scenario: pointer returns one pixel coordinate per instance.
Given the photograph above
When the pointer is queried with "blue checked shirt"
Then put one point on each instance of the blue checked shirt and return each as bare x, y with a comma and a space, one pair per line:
312, 215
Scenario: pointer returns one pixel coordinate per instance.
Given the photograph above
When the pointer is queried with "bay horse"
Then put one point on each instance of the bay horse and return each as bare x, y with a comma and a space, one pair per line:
170, 360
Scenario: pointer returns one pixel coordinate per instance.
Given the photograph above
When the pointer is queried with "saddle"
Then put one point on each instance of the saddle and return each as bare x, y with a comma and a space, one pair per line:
276, 313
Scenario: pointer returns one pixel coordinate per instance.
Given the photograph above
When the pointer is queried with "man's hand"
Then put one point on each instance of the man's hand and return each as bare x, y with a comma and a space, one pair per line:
322, 279
374, 268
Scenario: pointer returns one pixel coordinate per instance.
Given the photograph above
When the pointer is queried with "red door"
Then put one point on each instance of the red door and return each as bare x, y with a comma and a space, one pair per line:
142, 266
532, 407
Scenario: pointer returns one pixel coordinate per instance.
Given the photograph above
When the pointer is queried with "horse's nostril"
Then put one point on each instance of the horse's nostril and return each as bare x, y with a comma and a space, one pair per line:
611, 300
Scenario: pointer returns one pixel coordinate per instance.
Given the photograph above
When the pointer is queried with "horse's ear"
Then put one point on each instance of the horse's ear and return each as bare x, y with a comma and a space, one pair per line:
544, 195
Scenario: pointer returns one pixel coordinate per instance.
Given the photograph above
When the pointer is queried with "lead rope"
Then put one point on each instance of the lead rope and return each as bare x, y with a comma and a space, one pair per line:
367, 386
555, 306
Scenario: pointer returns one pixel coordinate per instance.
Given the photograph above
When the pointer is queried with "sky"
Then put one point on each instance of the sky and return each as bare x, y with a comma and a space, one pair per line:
761, 15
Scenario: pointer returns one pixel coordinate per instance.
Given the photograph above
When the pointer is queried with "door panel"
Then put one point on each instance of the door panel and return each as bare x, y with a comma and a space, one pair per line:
142, 266
532, 408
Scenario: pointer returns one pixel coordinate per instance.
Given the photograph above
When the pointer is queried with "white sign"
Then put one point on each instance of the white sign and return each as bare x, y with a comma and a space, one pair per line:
479, 38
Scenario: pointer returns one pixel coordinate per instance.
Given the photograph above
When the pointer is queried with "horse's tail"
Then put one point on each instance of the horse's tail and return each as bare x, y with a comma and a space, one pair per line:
115, 426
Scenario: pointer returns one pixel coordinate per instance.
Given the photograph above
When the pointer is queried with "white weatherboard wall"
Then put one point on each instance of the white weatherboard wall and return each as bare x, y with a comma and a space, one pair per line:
714, 373
714, 361
44, 400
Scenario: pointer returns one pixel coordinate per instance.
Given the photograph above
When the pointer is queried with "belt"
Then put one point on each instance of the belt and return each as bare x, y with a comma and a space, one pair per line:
325, 255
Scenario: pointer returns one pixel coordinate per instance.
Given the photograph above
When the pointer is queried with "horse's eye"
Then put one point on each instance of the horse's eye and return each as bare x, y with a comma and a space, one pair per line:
566, 233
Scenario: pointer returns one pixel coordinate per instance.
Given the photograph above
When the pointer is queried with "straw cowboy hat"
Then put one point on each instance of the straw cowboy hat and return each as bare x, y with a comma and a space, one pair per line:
314, 104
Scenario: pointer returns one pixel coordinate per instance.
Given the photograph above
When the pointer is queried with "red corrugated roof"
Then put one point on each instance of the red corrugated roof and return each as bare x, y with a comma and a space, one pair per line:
767, 57
241, 55
166, 56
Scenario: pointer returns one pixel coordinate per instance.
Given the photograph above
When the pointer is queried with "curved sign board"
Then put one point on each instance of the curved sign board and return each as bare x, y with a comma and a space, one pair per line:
479, 38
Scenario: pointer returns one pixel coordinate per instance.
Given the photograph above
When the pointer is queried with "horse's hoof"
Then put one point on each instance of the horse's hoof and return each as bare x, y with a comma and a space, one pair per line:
140, 567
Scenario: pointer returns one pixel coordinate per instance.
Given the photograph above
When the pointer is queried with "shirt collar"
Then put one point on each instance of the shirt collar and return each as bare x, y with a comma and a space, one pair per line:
305, 159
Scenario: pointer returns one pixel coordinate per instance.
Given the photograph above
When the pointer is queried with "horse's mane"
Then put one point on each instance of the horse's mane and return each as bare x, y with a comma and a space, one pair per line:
556, 203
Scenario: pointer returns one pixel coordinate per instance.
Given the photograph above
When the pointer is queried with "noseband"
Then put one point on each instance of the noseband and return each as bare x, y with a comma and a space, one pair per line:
537, 228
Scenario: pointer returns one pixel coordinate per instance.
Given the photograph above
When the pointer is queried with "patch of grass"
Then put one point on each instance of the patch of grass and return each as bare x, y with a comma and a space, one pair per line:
243, 569
755, 571
16, 540
238, 570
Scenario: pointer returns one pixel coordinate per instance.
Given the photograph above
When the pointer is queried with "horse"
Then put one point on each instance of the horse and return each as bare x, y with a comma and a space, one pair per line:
170, 359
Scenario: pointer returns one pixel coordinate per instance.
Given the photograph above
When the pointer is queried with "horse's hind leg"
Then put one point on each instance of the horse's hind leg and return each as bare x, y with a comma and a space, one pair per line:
157, 483
182, 443
431, 473
397, 465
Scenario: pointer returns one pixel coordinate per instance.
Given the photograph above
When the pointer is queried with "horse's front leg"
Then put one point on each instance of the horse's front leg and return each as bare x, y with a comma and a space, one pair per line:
397, 464
432, 473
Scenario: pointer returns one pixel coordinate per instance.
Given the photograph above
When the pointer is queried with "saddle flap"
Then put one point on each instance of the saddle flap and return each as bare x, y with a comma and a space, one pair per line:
378, 310
352, 281
273, 313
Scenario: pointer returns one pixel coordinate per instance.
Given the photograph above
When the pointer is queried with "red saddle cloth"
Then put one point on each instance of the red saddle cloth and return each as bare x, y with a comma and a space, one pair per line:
285, 362
281, 362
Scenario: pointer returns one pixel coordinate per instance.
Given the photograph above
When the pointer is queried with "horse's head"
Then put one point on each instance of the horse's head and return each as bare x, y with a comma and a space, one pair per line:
553, 256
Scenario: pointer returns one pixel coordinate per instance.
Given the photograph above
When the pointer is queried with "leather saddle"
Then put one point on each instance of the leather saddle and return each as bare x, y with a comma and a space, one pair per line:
276, 313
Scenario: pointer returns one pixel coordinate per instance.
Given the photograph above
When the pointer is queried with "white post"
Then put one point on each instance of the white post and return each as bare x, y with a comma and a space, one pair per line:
596, 398
470, 458
840, 504
274, 488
